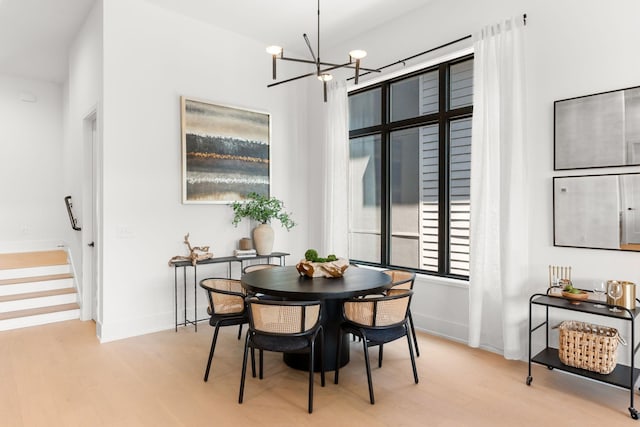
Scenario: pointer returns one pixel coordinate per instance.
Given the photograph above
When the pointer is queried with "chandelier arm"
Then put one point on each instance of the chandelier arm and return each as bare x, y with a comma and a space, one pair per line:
313, 55
306, 61
329, 64
291, 79
348, 65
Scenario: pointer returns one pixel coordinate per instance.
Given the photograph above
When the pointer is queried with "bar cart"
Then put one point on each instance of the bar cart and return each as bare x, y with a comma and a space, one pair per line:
622, 376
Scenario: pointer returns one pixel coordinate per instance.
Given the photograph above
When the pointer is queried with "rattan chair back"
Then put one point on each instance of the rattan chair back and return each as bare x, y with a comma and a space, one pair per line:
283, 317
256, 267
401, 279
384, 311
226, 296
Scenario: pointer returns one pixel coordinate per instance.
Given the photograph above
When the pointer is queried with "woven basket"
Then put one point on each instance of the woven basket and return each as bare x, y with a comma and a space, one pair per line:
588, 346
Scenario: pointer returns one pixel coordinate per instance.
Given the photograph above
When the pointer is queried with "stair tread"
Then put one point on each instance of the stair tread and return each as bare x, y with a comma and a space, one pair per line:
39, 310
38, 294
32, 259
47, 277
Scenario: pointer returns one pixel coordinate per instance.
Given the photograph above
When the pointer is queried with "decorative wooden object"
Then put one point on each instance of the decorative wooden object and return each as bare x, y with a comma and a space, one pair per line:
323, 269
196, 253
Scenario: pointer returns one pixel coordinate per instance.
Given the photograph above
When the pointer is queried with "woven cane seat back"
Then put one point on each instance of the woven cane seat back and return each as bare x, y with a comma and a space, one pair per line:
383, 311
283, 318
226, 296
401, 279
256, 267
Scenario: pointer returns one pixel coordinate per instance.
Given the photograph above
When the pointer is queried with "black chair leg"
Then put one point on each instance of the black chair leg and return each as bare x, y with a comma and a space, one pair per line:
244, 369
261, 355
253, 362
211, 351
322, 357
413, 359
337, 371
368, 365
311, 357
413, 332
240, 331
380, 356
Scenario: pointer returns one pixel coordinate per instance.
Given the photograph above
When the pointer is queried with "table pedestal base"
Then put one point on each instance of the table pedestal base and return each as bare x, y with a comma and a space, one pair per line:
331, 320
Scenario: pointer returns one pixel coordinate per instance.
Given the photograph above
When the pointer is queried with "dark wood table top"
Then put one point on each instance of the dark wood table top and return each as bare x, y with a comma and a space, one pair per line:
286, 282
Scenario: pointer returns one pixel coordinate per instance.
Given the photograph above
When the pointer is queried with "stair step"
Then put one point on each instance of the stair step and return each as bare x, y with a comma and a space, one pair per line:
37, 300
37, 311
45, 278
19, 273
10, 261
39, 294
55, 282
38, 316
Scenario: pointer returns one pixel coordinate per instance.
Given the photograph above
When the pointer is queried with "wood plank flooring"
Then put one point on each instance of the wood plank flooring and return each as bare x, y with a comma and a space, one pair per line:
60, 375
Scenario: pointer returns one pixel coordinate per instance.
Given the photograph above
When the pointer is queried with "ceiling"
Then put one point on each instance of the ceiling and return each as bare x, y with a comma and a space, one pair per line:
35, 34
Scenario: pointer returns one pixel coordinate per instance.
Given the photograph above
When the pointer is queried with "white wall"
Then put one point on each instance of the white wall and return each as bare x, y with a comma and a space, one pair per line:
573, 48
83, 97
151, 58
33, 214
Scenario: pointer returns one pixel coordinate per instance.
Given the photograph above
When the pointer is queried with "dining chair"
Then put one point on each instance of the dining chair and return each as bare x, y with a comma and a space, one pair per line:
377, 320
226, 308
256, 267
285, 327
403, 279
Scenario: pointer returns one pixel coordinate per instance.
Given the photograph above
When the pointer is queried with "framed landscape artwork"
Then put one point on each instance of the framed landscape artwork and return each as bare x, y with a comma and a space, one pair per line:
225, 152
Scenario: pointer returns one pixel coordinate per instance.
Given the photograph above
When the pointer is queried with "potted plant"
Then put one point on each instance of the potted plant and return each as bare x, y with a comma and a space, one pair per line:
262, 209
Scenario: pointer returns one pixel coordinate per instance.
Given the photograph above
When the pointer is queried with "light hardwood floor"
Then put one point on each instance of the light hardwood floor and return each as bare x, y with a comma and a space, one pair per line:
60, 375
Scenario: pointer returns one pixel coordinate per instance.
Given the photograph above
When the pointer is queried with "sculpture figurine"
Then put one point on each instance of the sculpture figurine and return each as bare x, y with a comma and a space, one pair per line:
196, 253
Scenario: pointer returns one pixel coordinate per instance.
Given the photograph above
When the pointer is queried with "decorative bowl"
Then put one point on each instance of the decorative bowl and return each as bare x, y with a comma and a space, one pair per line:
323, 269
575, 298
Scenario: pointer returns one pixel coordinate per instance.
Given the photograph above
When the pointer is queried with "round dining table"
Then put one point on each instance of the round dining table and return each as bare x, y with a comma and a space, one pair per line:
288, 284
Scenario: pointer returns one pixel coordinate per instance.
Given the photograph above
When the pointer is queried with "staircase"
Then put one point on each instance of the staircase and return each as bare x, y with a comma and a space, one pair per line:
36, 288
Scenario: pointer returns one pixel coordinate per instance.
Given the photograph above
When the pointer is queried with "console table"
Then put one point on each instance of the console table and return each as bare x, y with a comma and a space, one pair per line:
622, 376
281, 256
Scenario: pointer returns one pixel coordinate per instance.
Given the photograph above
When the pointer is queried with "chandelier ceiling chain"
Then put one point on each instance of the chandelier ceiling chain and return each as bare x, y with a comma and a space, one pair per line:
323, 74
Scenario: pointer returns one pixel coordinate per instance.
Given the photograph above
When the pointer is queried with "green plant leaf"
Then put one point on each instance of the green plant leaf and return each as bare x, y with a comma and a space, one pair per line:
263, 209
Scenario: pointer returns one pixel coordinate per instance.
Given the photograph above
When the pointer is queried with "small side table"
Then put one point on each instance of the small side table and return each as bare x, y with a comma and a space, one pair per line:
281, 256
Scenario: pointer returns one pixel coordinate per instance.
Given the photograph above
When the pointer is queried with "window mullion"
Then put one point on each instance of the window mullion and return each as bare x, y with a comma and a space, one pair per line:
385, 203
443, 194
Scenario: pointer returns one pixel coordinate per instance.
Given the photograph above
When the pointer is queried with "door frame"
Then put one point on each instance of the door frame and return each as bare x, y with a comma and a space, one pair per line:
91, 207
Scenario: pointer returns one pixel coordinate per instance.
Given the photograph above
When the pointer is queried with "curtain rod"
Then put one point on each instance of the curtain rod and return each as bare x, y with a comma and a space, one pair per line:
402, 61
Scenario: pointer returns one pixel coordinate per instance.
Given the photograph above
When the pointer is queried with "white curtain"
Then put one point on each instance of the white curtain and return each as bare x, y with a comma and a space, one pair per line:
335, 178
499, 225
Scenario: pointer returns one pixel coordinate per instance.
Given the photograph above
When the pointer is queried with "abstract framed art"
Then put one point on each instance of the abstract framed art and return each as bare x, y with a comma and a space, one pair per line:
596, 131
225, 152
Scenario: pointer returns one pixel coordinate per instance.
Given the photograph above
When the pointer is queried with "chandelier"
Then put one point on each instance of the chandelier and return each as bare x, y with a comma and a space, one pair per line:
322, 69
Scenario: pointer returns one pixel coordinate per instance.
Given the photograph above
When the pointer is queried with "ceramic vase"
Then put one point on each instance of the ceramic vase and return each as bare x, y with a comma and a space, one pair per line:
263, 239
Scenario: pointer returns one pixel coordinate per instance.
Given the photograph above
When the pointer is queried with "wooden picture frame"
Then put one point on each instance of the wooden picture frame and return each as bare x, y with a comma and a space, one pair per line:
225, 152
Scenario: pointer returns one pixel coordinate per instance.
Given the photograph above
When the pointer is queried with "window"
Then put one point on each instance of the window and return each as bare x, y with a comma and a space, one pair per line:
409, 171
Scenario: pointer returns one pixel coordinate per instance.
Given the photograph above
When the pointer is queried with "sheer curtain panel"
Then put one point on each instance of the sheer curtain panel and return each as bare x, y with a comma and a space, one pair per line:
336, 164
499, 224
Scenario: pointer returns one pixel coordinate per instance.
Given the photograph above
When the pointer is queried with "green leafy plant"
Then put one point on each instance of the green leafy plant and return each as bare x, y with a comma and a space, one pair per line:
263, 209
312, 255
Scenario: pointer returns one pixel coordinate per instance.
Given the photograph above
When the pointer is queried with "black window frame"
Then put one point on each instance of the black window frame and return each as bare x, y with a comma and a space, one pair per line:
443, 117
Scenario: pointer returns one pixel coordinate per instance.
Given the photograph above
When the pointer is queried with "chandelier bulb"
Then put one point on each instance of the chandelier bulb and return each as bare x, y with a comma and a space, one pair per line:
358, 54
325, 77
274, 50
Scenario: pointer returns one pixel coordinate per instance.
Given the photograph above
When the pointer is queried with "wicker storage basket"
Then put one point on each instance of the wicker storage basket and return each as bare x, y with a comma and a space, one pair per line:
588, 346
